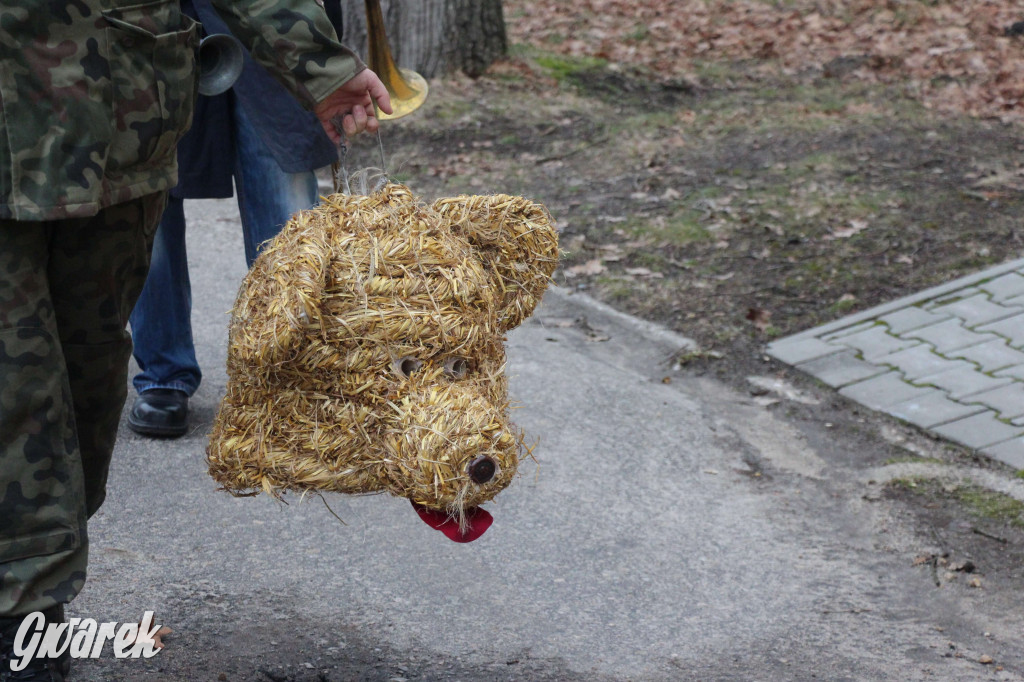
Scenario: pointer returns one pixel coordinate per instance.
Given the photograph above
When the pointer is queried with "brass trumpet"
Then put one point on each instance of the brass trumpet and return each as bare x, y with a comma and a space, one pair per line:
407, 89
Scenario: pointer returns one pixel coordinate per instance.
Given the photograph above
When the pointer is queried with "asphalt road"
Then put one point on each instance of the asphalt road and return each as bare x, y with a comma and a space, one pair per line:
670, 531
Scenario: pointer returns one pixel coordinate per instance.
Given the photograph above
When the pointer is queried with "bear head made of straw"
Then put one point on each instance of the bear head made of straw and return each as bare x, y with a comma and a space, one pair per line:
366, 350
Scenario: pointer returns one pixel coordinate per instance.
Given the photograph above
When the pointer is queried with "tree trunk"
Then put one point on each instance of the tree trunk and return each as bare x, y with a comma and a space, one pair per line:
434, 37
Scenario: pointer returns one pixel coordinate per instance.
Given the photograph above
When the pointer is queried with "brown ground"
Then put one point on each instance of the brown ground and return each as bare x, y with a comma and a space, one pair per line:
733, 210
738, 193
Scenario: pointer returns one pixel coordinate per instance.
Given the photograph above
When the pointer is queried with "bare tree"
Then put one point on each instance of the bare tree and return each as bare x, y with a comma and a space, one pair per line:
434, 37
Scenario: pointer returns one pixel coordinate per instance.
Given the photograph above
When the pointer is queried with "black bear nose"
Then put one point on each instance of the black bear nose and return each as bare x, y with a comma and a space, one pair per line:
482, 469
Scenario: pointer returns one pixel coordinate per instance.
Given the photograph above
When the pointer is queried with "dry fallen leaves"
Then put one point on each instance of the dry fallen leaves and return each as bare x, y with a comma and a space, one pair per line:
642, 272
760, 318
156, 640
591, 267
854, 227
957, 54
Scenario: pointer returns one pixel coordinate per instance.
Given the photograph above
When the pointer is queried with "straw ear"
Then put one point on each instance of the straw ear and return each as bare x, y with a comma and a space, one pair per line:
281, 298
515, 239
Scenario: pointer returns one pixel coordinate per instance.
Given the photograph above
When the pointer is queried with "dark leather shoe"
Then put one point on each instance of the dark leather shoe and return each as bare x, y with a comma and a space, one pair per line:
160, 412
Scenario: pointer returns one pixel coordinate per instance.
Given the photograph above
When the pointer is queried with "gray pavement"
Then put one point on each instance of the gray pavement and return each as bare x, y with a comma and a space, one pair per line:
670, 530
949, 360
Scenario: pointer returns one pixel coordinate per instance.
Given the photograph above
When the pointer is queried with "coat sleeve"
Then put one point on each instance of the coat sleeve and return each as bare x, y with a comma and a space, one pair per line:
295, 41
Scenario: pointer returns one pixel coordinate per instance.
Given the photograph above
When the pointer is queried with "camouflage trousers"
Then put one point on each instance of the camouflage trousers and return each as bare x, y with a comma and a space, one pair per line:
66, 290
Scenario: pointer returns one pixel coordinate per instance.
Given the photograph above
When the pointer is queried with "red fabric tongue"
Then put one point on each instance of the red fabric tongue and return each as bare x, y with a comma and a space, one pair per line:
479, 521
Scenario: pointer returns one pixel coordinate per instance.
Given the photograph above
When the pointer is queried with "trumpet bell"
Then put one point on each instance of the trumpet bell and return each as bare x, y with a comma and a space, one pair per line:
220, 63
407, 89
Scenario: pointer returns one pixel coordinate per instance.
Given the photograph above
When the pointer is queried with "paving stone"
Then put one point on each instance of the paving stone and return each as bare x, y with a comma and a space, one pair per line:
949, 359
921, 360
979, 430
886, 389
1014, 372
960, 382
990, 356
1005, 286
874, 342
840, 369
949, 336
951, 296
1007, 400
795, 351
1008, 452
847, 331
977, 310
932, 409
1012, 329
911, 317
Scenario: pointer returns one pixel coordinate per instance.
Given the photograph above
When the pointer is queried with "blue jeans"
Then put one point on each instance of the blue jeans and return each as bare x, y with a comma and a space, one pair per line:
161, 321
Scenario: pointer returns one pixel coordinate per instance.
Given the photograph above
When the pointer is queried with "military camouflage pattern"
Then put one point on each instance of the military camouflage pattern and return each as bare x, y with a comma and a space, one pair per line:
66, 290
95, 94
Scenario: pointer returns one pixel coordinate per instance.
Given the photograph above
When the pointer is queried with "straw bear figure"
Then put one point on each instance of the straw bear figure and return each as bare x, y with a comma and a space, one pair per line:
366, 350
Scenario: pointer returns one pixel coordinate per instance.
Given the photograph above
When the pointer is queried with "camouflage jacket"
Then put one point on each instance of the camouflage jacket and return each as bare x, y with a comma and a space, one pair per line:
94, 94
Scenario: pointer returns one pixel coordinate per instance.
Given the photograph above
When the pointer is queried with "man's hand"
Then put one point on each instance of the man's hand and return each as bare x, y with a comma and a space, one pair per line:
353, 101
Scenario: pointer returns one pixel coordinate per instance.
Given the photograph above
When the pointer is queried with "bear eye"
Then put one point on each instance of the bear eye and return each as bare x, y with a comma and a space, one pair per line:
405, 367
482, 469
456, 368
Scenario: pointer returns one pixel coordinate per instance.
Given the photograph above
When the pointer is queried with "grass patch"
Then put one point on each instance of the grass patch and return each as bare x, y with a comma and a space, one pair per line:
990, 504
976, 500
715, 71
734, 103
563, 68
615, 288
912, 483
679, 228
912, 459
652, 260
451, 109
843, 305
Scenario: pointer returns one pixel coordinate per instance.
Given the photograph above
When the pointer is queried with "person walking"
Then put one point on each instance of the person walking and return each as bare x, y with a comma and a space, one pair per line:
257, 136
94, 97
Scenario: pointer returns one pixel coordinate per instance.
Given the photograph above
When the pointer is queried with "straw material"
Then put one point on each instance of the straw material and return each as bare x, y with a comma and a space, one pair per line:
367, 354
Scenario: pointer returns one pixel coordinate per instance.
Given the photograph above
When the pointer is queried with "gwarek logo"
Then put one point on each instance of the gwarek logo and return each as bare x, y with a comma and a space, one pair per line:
84, 638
